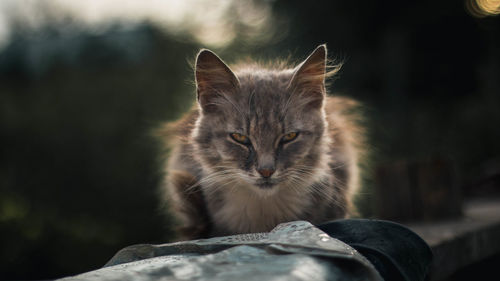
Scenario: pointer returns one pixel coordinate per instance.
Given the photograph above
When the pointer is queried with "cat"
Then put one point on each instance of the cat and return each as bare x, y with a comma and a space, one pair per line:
263, 145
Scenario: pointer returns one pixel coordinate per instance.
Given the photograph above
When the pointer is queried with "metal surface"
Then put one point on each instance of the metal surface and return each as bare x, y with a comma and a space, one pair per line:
292, 251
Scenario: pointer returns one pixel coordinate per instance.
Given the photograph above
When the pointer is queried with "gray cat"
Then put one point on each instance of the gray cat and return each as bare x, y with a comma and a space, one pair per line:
264, 145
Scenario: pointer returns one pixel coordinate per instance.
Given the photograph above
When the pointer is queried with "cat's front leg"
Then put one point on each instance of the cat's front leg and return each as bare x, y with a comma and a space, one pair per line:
188, 205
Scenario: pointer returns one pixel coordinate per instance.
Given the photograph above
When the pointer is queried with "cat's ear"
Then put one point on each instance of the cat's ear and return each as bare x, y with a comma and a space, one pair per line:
213, 79
309, 77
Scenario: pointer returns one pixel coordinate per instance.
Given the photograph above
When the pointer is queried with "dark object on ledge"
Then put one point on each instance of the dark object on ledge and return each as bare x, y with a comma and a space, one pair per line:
396, 251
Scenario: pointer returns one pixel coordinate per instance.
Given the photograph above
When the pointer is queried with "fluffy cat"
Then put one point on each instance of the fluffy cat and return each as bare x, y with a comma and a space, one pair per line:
263, 145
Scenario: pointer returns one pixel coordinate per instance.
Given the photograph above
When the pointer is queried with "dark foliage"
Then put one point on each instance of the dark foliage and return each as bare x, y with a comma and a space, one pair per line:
79, 171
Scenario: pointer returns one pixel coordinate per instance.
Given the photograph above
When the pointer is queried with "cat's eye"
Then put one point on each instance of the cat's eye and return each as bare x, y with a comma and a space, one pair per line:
240, 138
289, 137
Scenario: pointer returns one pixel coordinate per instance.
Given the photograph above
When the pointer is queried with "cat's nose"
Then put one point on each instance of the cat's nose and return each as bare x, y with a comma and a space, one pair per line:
266, 172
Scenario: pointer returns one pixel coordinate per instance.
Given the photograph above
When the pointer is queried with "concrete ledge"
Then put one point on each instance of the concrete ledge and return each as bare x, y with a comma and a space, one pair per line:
462, 242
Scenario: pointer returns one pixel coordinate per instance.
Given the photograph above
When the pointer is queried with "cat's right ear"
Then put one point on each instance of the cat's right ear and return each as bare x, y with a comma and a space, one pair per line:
213, 79
309, 77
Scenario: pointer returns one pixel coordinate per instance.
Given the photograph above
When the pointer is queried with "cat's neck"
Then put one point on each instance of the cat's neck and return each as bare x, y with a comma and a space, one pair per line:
243, 208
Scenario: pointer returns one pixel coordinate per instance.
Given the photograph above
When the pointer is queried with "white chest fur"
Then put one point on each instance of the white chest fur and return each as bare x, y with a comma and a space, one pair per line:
244, 210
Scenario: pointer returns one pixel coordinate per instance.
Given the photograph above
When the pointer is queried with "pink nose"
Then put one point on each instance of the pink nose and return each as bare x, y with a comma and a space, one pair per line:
266, 172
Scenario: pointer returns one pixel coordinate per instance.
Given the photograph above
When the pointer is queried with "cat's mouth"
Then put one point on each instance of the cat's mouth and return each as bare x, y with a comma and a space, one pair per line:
266, 183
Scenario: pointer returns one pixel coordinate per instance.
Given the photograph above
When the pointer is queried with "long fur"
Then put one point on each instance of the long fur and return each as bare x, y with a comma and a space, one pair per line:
213, 185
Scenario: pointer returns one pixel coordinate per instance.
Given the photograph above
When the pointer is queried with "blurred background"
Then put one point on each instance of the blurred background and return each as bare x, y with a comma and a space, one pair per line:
83, 83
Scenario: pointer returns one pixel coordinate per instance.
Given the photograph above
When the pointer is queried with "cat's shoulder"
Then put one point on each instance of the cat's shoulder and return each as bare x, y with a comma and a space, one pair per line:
341, 104
179, 130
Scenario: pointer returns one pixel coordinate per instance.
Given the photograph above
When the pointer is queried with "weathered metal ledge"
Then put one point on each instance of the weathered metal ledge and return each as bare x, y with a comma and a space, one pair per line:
465, 241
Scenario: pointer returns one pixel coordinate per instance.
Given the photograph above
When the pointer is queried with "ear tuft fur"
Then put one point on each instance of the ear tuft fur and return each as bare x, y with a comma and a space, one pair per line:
309, 77
213, 78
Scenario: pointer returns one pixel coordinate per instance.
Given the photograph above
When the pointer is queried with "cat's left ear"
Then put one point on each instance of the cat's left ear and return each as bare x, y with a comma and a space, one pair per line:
213, 79
309, 77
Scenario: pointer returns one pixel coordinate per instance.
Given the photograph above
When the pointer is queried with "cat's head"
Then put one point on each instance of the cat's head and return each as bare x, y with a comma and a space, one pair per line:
260, 126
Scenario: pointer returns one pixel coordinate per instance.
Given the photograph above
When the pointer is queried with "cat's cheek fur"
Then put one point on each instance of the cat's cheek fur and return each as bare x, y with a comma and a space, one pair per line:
289, 155
231, 151
300, 148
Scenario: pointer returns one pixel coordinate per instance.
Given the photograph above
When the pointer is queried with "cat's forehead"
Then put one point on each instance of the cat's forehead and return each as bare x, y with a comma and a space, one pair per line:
264, 84
262, 102
264, 74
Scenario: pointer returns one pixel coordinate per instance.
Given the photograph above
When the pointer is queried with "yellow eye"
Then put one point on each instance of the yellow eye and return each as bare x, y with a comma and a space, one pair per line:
240, 138
289, 137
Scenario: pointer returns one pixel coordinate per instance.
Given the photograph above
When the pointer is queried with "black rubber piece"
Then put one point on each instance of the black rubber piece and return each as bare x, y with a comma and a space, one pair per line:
396, 252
